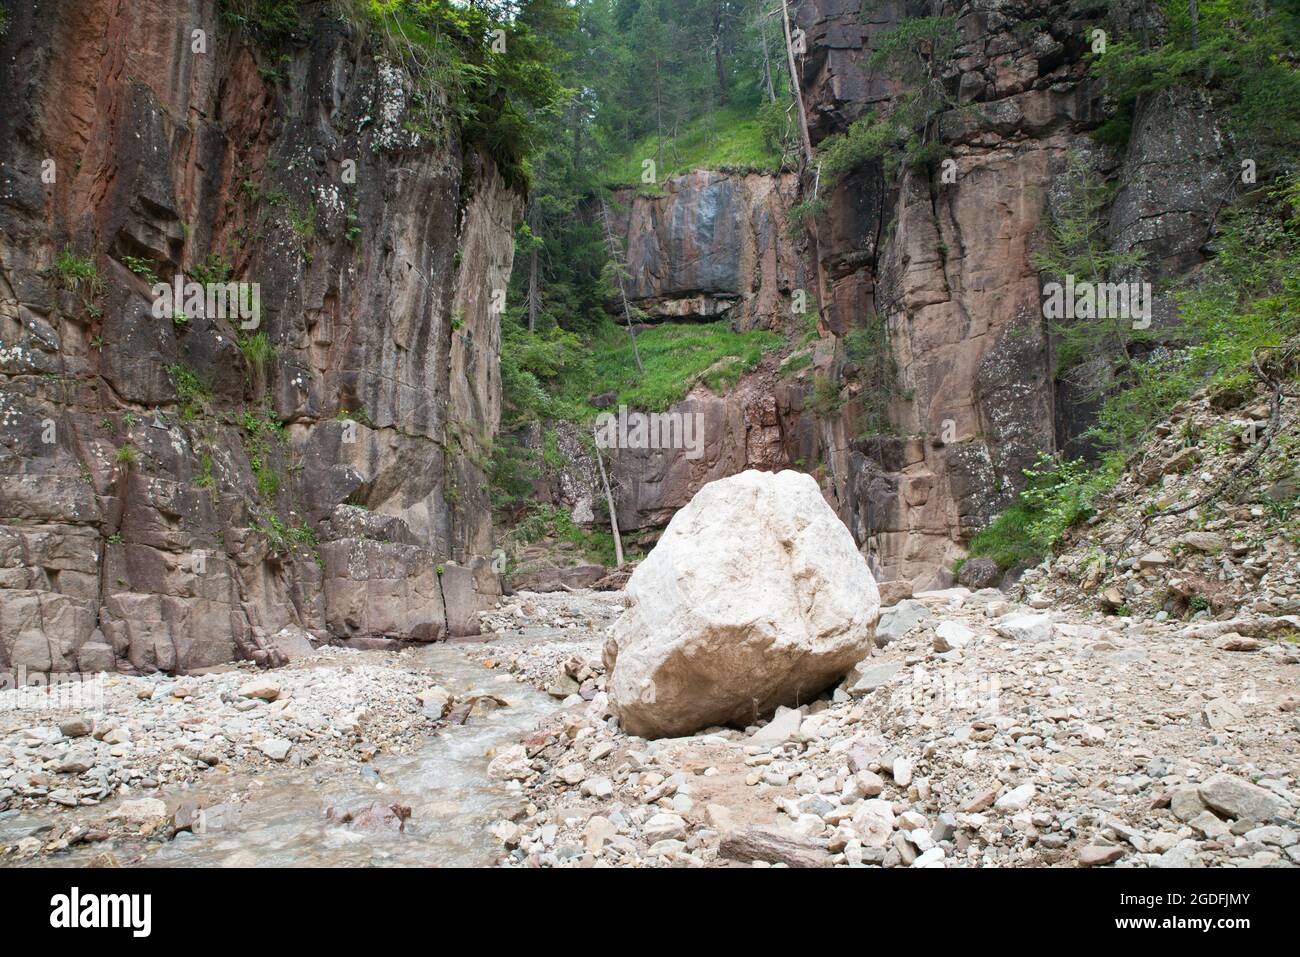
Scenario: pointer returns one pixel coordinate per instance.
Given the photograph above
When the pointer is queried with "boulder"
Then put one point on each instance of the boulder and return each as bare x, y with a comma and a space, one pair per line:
292, 643
951, 635
891, 593
263, 688
783, 727
979, 573
754, 597
866, 677
772, 846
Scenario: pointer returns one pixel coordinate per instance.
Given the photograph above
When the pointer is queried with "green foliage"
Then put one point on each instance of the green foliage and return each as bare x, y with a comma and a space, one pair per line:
262, 431
795, 364
915, 54
825, 400
778, 126
685, 83
533, 364
732, 138
510, 474
272, 21
457, 66
284, 539
191, 392
800, 215
207, 477
126, 455
1057, 494
216, 268
871, 358
490, 66
551, 454
546, 521
676, 356
76, 269
141, 267
258, 352
1244, 302
358, 415
1078, 247
1242, 305
868, 138
303, 223
1242, 51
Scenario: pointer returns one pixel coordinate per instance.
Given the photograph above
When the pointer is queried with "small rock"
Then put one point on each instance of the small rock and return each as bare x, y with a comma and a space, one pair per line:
76, 727
264, 689
1095, 855
1017, 799
783, 727
1238, 799
1025, 628
664, 827
141, 811
277, 749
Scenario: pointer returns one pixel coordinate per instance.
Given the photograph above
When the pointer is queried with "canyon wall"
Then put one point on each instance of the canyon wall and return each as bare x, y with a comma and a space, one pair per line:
948, 265
175, 492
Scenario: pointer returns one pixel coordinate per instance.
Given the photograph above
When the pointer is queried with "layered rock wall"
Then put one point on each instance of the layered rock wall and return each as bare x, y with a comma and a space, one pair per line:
948, 265
712, 245
174, 491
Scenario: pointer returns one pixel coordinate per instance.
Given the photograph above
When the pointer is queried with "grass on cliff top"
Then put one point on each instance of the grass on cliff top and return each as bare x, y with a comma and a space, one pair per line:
675, 355
730, 137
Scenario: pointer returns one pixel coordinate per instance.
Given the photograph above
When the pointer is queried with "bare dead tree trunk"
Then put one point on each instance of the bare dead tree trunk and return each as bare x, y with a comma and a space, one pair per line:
767, 65
609, 502
534, 297
616, 254
794, 85
1194, 10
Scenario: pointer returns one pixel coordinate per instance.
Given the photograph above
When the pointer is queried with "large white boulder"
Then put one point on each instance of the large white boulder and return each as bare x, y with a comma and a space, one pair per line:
754, 597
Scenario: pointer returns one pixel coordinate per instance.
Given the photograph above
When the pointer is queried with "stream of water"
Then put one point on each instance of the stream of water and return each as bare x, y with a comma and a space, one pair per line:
281, 820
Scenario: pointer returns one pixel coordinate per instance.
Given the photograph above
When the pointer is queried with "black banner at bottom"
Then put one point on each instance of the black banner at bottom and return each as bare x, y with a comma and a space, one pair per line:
144, 907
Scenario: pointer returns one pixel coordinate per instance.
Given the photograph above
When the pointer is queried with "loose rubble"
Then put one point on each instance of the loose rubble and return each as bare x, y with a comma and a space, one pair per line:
1080, 741
1236, 556
1036, 737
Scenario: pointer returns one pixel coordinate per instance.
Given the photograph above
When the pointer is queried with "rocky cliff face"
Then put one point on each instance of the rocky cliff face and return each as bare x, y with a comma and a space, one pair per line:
710, 246
176, 491
948, 265
713, 245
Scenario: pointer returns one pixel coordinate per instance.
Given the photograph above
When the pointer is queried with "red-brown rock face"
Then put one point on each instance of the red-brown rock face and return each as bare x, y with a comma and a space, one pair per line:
948, 264
712, 246
169, 498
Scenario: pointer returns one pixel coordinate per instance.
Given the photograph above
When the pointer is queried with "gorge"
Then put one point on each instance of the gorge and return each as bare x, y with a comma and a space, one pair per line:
322, 325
